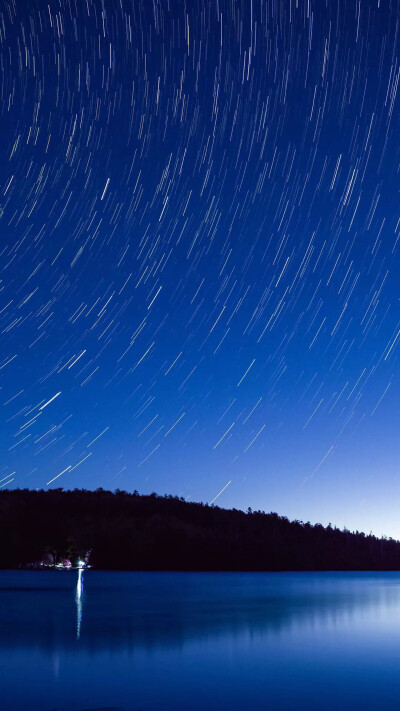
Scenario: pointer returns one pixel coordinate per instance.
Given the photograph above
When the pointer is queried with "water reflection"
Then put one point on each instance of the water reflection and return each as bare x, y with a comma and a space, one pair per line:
139, 610
173, 642
78, 600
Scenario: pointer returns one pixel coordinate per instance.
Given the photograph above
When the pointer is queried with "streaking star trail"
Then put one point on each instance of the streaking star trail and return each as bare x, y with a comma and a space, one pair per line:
199, 260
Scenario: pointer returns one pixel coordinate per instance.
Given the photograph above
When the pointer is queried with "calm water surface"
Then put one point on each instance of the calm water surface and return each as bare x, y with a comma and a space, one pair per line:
176, 641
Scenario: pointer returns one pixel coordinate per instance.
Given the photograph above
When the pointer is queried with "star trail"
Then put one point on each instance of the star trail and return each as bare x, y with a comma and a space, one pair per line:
199, 255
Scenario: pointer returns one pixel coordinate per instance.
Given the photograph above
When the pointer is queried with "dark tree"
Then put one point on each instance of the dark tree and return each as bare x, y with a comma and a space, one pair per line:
133, 532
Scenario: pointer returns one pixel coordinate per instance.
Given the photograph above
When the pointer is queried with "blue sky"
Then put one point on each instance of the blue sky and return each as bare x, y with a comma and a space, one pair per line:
199, 264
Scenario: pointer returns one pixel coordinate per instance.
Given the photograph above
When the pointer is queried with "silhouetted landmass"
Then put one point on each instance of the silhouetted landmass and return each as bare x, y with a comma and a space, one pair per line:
132, 532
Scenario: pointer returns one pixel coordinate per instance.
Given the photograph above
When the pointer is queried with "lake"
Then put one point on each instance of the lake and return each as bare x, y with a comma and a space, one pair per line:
191, 641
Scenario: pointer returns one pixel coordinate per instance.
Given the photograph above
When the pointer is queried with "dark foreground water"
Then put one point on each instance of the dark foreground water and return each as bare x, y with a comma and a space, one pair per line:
178, 641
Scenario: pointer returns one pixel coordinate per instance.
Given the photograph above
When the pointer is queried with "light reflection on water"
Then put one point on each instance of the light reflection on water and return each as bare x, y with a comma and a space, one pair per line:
78, 599
195, 641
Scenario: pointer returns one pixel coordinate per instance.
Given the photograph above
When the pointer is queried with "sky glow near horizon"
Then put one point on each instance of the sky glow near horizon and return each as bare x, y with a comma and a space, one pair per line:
199, 259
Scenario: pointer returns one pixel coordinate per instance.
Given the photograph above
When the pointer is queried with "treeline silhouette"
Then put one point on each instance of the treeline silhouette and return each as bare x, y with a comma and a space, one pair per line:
127, 531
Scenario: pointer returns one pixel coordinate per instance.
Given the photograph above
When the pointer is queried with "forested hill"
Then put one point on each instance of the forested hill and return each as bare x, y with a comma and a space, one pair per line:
133, 532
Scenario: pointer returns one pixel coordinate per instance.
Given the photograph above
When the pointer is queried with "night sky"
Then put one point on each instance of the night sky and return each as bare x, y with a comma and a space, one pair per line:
200, 252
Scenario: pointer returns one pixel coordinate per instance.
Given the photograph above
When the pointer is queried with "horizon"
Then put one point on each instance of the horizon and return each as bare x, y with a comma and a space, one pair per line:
248, 510
200, 253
